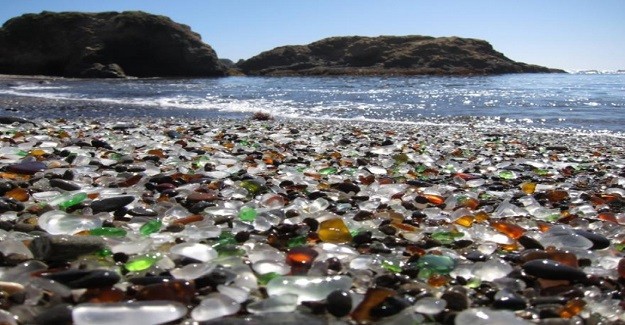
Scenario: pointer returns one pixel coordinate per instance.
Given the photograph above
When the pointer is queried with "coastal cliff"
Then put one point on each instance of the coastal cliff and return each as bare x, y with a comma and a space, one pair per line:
387, 55
104, 45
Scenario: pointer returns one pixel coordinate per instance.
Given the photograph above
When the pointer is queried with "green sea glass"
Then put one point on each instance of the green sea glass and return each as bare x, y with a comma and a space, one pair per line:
439, 264
328, 171
73, 200
247, 214
140, 264
150, 227
107, 232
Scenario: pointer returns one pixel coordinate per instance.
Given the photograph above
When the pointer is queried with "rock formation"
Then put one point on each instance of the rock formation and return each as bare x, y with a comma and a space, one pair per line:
387, 55
108, 44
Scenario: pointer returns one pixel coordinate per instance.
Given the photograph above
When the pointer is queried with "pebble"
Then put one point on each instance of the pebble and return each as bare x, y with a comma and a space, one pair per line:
111, 204
176, 290
339, 303
483, 316
552, 270
55, 248
76, 279
284, 303
197, 251
308, 288
141, 312
27, 167
334, 231
430, 305
57, 222
373, 298
214, 306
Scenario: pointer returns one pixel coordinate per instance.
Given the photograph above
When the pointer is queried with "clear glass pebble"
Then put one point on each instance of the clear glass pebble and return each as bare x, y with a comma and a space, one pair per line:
214, 306
308, 288
284, 303
197, 251
57, 222
139, 312
484, 316
430, 305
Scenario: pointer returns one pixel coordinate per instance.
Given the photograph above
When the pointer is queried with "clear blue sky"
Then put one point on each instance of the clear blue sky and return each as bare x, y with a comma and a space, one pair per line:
568, 34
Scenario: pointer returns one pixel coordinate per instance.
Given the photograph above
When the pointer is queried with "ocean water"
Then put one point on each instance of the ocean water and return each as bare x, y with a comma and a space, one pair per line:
591, 102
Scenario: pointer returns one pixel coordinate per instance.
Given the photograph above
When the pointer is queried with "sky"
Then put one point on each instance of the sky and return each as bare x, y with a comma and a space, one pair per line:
566, 34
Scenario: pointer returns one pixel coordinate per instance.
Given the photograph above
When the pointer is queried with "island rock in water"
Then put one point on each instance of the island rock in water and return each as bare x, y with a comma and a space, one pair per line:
108, 44
387, 55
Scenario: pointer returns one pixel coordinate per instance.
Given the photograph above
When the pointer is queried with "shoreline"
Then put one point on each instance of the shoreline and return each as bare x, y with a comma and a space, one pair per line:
21, 106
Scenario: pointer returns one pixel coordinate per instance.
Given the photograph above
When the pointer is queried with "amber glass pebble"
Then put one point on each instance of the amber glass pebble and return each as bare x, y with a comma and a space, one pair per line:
101, 295
543, 226
18, 193
557, 195
564, 257
468, 202
481, 216
37, 152
437, 280
130, 181
528, 187
300, 259
404, 226
465, 221
434, 199
189, 219
334, 231
607, 216
373, 297
157, 152
509, 229
572, 308
177, 290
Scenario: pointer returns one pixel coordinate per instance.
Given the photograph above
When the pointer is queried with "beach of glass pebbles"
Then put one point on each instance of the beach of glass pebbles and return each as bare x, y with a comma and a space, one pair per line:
182, 221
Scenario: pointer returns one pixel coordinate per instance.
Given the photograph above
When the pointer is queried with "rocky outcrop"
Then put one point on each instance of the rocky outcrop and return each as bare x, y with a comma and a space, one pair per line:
387, 55
106, 44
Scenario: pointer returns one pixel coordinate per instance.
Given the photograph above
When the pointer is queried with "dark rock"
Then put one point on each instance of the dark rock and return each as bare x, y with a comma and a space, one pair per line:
552, 270
64, 248
510, 302
346, 187
79, 279
142, 212
530, 243
60, 314
100, 144
389, 307
12, 119
215, 277
456, 300
27, 167
104, 45
598, 241
111, 204
476, 256
386, 55
147, 280
64, 185
339, 303
9, 204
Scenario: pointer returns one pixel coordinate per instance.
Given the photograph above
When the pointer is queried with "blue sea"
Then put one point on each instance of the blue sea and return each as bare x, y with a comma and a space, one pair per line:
590, 102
